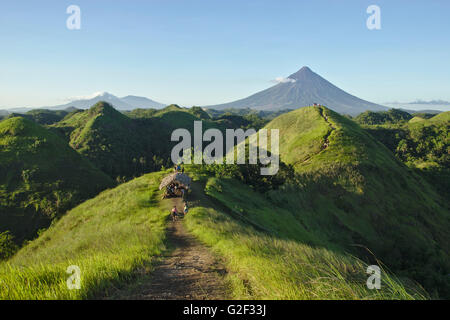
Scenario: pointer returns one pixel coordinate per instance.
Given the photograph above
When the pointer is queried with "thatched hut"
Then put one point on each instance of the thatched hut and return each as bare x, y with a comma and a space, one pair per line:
177, 178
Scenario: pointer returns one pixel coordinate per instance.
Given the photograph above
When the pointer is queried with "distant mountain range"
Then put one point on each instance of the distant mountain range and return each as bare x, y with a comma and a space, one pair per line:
430, 111
431, 102
420, 106
124, 103
303, 88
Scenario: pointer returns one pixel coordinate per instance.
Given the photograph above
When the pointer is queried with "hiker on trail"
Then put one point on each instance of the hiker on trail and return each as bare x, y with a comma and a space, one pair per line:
174, 213
178, 167
185, 209
182, 170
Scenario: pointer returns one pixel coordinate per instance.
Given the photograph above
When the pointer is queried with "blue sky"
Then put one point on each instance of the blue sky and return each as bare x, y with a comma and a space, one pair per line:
207, 52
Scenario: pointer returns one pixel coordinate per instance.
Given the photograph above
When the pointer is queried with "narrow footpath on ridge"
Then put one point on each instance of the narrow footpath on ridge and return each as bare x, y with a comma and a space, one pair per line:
326, 141
187, 271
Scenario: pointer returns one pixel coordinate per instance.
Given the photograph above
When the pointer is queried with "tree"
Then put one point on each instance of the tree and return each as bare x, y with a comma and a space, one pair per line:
7, 245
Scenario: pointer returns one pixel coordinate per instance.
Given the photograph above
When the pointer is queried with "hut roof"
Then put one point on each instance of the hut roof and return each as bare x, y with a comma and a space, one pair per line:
176, 177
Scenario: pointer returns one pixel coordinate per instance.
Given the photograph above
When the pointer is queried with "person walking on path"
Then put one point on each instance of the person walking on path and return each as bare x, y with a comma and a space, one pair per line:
174, 213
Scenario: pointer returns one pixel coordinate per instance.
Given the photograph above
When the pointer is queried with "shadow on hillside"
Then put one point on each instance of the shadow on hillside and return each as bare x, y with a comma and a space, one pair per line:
198, 197
381, 236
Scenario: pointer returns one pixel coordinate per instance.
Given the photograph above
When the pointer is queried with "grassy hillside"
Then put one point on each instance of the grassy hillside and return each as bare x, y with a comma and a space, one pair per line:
350, 189
420, 142
444, 116
116, 144
128, 144
109, 238
382, 117
175, 117
40, 177
136, 142
140, 113
416, 119
343, 201
247, 112
271, 254
112, 237
44, 116
423, 145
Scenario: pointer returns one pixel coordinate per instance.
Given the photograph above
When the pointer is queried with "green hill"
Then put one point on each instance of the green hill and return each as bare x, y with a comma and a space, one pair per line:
382, 117
128, 144
421, 143
136, 142
44, 116
444, 116
353, 191
274, 251
344, 202
110, 238
416, 119
114, 143
40, 177
140, 113
115, 236
423, 115
174, 117
426, 143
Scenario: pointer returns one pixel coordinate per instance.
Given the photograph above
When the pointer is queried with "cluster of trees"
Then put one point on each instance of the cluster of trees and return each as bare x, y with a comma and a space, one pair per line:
7, 245
390, 116
417, 144
250, 174
425, 144
422, 145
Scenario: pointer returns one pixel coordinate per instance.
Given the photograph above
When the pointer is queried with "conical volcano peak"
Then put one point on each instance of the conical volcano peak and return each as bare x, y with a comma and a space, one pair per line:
300, 89
302, 73
305, 69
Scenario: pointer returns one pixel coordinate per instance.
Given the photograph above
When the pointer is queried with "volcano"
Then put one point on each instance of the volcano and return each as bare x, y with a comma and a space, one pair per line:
303, 88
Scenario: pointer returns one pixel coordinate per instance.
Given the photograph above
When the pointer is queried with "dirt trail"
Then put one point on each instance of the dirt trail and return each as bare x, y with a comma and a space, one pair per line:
188, 271
326, 141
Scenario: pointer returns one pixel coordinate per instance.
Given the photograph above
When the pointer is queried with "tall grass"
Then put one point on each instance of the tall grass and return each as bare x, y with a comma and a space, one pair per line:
267, 266
108, 238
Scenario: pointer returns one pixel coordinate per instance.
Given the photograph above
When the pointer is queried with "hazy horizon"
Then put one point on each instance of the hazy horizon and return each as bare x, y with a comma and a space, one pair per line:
403, 105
